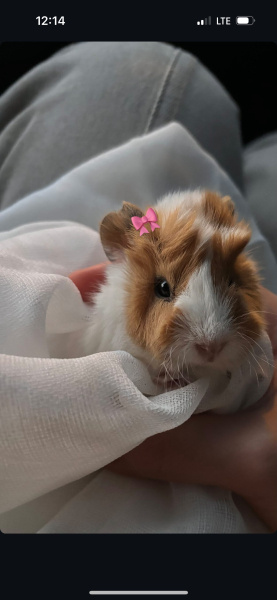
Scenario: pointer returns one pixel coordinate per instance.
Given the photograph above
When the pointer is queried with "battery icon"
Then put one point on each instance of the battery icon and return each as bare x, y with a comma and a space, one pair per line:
245, 20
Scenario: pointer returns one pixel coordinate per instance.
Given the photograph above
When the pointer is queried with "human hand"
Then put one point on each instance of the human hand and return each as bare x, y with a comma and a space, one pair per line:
87, 280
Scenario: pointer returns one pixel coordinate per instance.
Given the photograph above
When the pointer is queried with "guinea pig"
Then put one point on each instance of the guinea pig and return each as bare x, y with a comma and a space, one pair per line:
181, 298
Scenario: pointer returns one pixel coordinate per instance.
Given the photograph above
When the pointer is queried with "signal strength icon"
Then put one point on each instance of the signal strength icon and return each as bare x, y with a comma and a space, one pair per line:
206, 21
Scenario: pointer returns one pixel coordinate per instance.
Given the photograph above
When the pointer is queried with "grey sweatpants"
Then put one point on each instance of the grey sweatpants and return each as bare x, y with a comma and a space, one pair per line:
93, 96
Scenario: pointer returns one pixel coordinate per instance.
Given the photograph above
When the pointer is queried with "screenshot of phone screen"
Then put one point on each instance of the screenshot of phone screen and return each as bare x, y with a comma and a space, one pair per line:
138, 285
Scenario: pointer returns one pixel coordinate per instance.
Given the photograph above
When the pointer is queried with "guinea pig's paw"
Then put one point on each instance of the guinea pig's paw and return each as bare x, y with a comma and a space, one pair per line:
171, 382
160, 380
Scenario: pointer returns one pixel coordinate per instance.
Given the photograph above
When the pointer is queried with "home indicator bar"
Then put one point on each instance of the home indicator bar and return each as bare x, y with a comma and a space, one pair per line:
140, 593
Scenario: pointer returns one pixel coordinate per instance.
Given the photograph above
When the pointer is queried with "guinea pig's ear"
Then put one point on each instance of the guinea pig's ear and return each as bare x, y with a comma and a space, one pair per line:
238, 241
116, 230
229, 204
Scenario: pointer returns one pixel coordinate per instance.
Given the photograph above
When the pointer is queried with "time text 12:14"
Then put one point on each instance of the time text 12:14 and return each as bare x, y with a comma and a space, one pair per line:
50, 20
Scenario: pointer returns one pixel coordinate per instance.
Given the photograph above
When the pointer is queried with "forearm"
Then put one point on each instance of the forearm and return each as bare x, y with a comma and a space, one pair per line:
201, 451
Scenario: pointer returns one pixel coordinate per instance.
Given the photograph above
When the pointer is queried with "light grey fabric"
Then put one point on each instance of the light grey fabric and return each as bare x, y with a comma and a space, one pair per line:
93, 96
260, 171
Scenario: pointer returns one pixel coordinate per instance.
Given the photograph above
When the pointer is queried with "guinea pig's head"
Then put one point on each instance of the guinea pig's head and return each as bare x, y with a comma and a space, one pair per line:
192, 293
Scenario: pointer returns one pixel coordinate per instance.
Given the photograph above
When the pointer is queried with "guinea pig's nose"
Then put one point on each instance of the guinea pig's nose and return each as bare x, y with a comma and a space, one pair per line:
209, 350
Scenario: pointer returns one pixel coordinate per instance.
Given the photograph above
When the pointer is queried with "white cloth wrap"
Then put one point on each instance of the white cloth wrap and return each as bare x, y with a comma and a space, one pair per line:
64, 419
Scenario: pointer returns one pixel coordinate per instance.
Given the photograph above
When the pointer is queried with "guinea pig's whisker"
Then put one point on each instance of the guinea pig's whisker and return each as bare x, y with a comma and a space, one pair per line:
267, 362
166, 369
246, 338
243, 315
250, 367
245, 348
172, 349
257, 362
255, 371
256, 311
178, 367
239, 320
168, 372
184, 360
179, 372
187, 367
163, 368
176, 347
264, 360
255, 358
254, 342
170, 357
170, 362
266, 312
185, 355
257, 344
159, 371
250, 330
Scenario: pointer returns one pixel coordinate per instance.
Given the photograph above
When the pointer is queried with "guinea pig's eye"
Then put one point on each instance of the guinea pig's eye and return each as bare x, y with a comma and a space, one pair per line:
231, 281
162, 289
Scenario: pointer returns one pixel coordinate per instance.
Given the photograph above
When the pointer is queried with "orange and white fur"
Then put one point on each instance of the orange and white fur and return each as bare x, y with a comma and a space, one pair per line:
182, 298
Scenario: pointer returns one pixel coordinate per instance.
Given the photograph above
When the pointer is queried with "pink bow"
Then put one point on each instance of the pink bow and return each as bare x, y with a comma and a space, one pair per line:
150, 217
